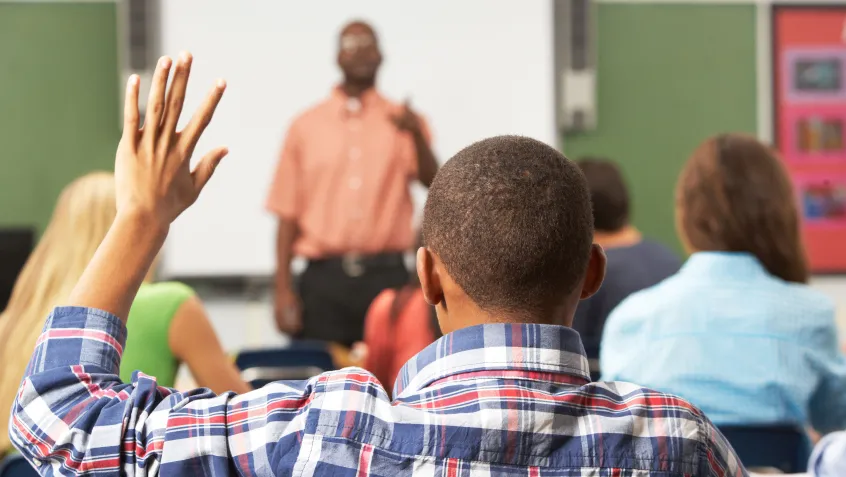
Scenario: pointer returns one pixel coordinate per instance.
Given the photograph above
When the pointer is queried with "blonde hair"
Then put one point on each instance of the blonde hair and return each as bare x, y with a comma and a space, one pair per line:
83, 214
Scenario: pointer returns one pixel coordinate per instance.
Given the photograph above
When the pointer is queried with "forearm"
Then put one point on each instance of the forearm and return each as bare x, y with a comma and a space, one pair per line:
285, 237
112, 278
219, 374
427, 164
72, 409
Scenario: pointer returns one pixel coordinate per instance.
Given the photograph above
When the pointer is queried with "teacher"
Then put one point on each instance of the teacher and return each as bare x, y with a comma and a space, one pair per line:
341, 194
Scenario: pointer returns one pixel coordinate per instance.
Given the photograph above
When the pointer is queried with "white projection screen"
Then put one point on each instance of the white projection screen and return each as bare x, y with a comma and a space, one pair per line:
473, 68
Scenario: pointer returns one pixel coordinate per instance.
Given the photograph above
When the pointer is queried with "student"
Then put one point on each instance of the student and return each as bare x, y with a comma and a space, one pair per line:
168, 322
505, 391
829, 456
737, 331
634, 262
399, 324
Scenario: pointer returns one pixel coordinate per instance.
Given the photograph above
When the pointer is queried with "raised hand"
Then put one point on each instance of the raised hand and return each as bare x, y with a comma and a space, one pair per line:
407, 119
154, 184
152, 165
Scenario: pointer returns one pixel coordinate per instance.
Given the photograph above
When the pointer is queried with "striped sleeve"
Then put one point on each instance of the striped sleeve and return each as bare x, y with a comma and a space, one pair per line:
73, 415
717, 457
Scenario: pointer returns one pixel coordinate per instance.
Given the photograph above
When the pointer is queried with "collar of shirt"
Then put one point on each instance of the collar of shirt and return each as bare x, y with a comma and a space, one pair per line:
728, 265
350, 105
525, 349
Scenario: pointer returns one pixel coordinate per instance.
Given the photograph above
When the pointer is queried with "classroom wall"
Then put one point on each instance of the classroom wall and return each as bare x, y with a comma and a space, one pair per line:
669, 75
59, 101
665, 82
472, 68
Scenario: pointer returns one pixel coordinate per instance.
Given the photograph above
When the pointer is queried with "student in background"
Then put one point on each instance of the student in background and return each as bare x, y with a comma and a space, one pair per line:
634, 262
737, 331
829, 456
170, 325
399, 324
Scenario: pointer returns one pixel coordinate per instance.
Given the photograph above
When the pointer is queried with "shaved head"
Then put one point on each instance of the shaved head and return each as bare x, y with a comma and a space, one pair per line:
359, 56
358, 27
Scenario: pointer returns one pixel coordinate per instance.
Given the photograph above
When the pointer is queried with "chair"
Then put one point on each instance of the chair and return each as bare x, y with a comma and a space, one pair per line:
299, 361
783, 447
15, 246
15, 465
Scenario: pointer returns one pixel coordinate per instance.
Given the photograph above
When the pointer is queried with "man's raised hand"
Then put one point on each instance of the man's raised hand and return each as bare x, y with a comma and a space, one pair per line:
153, 174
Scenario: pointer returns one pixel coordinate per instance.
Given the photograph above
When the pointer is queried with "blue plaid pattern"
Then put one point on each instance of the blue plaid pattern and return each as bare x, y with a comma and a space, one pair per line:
739, 343
491, 400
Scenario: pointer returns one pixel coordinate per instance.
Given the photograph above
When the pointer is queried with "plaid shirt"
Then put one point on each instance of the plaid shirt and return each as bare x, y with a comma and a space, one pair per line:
490, 400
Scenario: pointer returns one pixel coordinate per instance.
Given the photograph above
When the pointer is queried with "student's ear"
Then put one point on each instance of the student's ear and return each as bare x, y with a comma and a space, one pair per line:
595, 272
430, 280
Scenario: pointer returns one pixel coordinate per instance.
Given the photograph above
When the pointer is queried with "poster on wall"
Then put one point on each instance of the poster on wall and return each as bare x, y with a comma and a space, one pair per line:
809, 88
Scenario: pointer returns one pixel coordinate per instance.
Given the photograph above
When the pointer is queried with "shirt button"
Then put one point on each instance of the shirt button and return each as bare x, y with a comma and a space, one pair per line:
355, 153
36, 462
353, 105
355, 183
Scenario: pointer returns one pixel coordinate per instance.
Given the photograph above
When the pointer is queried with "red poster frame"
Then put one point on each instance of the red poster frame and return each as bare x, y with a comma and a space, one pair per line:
809, 122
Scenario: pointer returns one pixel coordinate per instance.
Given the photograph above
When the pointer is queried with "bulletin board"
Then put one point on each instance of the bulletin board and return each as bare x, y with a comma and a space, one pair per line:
809, 75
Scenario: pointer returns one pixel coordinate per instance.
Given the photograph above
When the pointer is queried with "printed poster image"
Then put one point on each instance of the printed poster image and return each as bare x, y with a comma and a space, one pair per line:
823, 200
809, 89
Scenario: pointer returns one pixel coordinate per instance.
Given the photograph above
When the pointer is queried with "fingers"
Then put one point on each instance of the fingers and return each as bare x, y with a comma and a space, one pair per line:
176, 96
202, 117
204, 170
155, 101
130, 111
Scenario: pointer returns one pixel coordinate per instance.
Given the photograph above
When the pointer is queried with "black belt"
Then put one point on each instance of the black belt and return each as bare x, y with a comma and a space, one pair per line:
355, 265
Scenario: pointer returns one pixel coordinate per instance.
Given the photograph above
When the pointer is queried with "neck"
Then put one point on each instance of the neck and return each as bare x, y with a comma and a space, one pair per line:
624, 237
464, 313
356, 89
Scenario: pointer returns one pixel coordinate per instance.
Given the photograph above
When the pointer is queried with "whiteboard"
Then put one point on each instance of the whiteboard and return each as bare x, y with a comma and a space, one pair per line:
473, 68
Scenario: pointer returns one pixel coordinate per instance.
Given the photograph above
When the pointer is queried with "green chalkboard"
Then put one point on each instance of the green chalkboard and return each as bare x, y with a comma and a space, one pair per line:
59, 102
668, 77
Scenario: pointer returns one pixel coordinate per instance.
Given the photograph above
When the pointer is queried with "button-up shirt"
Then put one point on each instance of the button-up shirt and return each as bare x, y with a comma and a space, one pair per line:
743, 345
344, 175
492, 400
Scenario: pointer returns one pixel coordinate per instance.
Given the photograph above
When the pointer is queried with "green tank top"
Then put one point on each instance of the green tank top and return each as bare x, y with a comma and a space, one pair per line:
147, 348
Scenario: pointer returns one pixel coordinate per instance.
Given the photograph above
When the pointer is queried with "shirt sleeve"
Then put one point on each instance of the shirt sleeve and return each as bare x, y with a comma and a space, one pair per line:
284, 198
828, 403
73, 415
717, 457
829, 456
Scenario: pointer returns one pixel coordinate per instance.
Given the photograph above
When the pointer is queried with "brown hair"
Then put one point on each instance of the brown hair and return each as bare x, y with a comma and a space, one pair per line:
608, 193
734, 195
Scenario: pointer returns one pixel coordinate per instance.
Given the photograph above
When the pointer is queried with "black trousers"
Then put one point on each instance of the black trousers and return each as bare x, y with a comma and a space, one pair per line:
337, 292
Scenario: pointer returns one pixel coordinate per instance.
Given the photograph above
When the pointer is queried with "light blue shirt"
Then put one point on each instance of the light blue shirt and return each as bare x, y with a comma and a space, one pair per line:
829, 457
743, 345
